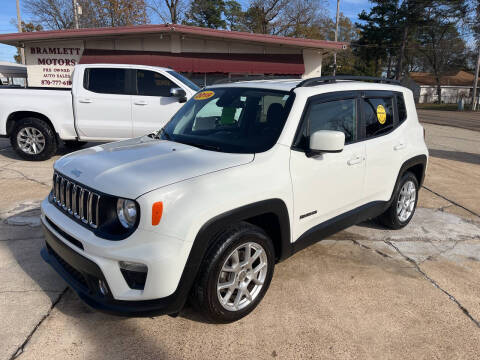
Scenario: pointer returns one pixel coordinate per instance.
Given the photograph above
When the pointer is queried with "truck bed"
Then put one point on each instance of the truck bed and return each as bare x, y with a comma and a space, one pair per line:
44, 103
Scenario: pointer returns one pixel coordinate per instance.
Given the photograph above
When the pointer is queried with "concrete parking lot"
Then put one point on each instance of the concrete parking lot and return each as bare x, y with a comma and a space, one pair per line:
365, 293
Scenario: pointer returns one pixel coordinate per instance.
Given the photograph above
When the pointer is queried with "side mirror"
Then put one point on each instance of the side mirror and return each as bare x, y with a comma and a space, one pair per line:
179, 93
326, 141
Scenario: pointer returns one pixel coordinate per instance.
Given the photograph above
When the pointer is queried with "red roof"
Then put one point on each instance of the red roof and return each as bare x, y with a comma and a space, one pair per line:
15, 38
460, 78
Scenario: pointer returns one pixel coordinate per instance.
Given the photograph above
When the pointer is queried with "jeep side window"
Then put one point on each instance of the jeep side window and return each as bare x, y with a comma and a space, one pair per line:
378, 114
151, 83
339, 115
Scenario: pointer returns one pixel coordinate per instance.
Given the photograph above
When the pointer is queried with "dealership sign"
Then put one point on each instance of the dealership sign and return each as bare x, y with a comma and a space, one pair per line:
51, 65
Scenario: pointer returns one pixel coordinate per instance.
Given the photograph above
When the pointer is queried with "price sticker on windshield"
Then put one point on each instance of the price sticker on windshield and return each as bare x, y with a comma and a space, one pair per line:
204, 95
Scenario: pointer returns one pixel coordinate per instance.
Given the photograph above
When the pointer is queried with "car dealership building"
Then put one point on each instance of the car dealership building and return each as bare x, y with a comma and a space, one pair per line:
205, 55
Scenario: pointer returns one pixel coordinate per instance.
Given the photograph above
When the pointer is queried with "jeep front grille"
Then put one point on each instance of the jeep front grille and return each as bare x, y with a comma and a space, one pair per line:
76, 200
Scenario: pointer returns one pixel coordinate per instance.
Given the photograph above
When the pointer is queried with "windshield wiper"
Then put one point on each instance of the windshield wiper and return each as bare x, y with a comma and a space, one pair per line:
164, 133
201, 146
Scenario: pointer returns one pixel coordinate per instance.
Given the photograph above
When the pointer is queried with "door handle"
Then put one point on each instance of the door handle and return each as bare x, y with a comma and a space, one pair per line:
356, 159
140, 102
85, 101
399, 146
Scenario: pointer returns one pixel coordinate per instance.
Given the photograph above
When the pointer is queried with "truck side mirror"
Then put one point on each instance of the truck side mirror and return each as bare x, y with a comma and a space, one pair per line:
326, 141
179, 93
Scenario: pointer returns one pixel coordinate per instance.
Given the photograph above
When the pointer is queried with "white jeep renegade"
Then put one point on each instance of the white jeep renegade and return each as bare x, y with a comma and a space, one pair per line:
243, 176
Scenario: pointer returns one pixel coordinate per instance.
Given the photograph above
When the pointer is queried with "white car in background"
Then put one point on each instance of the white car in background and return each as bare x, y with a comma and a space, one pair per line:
243, 176
107, 102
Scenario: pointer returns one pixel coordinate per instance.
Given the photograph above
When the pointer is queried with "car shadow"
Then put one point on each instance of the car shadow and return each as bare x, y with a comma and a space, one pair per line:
8, 152
372, 224
456, 155
23, 235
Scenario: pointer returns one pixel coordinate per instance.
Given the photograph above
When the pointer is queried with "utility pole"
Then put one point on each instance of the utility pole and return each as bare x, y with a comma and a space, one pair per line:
75, 13
475, 82
336, 39
19, 23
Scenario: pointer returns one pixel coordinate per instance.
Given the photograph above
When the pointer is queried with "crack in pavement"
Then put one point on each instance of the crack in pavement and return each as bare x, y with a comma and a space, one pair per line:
28, 291
369, 248
440, 252
434, 283
451, 201
21, 348
21, 239
26, 177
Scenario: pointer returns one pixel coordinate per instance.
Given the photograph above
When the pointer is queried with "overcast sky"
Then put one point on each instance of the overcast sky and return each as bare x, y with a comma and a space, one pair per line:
350, 8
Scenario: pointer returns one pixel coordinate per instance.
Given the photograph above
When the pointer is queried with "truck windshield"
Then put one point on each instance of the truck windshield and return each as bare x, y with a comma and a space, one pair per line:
183, 79
231, 119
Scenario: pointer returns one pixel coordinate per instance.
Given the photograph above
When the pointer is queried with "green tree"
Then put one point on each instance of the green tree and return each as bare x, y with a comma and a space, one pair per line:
206, 13
234, 16
393, 32
380, 37
347, 62
26, 27
440, 46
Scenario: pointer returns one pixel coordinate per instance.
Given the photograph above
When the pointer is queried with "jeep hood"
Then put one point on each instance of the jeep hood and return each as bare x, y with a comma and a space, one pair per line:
133, 167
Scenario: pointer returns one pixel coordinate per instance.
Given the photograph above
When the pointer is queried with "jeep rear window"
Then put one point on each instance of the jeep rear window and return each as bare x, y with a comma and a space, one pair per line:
231, 119
378, 114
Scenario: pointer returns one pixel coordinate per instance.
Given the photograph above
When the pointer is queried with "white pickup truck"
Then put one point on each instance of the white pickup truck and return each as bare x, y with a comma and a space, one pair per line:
107, 102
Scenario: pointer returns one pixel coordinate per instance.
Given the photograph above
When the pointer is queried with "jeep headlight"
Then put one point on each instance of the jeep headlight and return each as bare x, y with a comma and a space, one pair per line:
127, 212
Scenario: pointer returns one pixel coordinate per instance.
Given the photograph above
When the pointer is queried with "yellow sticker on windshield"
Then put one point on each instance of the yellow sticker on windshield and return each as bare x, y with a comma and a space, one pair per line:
204, 95
381, 114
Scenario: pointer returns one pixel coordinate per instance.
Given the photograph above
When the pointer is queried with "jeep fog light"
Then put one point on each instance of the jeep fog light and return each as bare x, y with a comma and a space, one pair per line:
135, 274
102, 287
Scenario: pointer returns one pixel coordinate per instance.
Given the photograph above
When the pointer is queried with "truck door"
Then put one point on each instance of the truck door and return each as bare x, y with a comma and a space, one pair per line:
102, 104
153, 106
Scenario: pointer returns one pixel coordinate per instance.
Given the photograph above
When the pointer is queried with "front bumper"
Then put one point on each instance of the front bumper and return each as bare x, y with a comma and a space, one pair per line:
83, 275
83, 259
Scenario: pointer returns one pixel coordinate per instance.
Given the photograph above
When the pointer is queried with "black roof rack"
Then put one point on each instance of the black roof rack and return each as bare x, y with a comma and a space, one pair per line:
333, 79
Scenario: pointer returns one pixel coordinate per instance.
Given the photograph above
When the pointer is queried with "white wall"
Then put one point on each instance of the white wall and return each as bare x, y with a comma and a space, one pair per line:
450, 94
313, 63
177, 43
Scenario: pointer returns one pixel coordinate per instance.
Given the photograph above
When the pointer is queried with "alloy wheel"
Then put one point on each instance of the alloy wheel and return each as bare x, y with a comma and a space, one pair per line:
242, 276
31, 140
406, 201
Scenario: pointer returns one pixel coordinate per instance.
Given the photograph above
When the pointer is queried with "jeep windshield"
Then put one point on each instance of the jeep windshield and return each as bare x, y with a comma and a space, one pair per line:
231, 119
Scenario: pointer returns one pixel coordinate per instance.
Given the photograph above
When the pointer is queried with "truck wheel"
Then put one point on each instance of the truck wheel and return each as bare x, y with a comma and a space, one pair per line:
235, 275
33, 139
404, 203
74, 144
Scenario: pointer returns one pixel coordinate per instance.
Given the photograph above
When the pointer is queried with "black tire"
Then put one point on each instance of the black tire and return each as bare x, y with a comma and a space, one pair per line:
74, 144
204, 293
390, 218
50, 147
